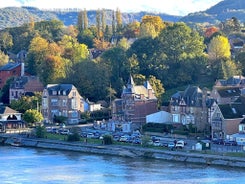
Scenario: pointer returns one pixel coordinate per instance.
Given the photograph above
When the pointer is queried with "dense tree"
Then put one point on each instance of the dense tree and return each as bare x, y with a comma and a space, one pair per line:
98, 24
113, 23
219, 48
144, 50
132, 30
3, 58
27, 102
73, 50
240, 60
6, 41
50, 30
32, 116
124, 44
119, 20
80, 21
179, 42
52, 69
147, 30
151, 26
4, 93
38, 51
92, 81
230, 26
119, 67
86, 37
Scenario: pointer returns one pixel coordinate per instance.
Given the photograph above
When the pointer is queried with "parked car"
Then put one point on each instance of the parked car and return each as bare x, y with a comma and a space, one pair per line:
90, 135
157, 143
180, 144
171, 146
230, 143
65, 132
218, 141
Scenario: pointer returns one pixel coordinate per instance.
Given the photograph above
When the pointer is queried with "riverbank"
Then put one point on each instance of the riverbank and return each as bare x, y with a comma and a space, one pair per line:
132, 152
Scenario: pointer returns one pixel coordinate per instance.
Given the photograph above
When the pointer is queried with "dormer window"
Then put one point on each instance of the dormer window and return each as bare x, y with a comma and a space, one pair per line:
54, 92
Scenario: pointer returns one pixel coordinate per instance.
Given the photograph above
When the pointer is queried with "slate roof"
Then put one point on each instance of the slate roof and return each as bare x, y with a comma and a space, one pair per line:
60, 88
192, 96
233, 81
234, 110
229, 91
9, 66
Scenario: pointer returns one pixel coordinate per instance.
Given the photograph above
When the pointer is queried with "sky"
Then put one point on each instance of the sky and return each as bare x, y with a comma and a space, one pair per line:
172, 7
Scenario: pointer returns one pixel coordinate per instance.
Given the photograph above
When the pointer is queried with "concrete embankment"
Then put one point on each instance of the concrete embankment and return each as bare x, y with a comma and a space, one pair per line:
135, 151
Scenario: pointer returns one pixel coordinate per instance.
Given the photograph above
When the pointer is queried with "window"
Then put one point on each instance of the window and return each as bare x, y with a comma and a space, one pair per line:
45, 102
54, 102
54, 92
64, 103
74, 114
175, 118
64, 113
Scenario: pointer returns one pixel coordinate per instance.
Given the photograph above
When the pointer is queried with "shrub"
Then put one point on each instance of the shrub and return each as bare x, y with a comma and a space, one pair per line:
107, 139
73, 137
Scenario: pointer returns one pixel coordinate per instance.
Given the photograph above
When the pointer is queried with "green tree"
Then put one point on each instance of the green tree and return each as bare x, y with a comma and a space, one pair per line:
119, 21
27, 102
40, 132
157, 86
94, 87
52, 69
86, 37
6, 41
4, 93
143, 51
118, 65
179, 42
32, 116
240, 60
123, 43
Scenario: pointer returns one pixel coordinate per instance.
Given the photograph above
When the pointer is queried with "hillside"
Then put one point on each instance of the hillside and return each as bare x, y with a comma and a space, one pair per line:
13, 16
220, 12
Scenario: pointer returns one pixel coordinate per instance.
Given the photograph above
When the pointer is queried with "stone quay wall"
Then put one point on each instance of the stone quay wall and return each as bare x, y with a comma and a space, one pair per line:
135, 152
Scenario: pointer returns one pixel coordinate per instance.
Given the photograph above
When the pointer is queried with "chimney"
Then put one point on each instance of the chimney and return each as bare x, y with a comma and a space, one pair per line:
22, 73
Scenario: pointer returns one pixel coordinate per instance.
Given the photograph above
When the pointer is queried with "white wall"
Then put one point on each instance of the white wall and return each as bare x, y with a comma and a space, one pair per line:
159, 117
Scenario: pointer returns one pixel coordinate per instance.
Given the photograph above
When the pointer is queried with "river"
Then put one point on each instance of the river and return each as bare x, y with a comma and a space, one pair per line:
20, 165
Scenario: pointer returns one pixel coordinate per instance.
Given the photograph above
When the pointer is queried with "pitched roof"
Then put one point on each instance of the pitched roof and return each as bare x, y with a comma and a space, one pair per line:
234, 110
229, 91
9, 66
60, 88
6, 110
192, 96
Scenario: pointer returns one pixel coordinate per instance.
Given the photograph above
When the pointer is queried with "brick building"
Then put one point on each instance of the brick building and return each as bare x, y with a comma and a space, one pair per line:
9, 70
137, 101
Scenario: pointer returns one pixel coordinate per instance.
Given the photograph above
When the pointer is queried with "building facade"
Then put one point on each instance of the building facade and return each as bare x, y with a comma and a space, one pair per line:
10, 119
11, 69
189, 107
137, 101
62, 100
24, 85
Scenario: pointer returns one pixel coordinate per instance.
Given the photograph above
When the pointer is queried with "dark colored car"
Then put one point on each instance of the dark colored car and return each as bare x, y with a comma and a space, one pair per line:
230, 143
218, 141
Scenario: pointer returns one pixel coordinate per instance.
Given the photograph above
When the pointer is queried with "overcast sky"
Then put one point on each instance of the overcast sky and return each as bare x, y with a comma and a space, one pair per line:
172, 7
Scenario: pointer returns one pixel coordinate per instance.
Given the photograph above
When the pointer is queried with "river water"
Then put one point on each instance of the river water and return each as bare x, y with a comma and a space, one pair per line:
39, 166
